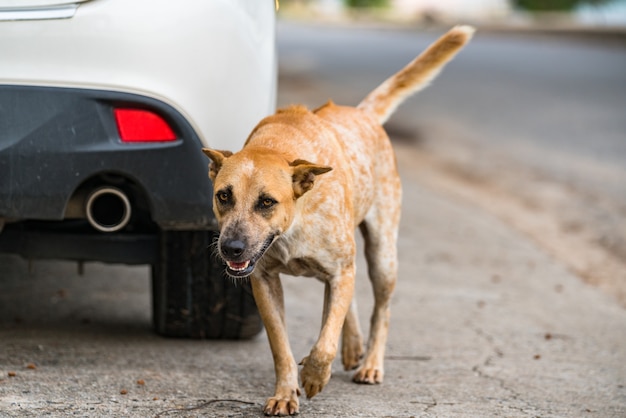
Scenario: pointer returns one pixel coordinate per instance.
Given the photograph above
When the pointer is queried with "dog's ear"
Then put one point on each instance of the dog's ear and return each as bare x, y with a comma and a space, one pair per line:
217, 159
304, 174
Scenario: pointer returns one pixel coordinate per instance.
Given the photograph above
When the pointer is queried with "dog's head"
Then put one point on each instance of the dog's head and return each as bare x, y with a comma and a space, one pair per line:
255, 194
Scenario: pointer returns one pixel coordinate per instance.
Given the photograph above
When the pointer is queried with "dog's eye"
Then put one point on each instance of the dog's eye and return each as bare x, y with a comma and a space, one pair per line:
266, 202
223, 197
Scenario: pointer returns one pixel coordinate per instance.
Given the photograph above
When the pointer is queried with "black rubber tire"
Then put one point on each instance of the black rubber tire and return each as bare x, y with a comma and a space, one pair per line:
192, 296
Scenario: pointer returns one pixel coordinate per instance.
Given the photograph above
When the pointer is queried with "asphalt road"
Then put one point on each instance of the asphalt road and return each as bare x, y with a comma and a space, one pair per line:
488, 319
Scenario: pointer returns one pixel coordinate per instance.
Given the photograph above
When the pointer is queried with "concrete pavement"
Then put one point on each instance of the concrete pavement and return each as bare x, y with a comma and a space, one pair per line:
483, 324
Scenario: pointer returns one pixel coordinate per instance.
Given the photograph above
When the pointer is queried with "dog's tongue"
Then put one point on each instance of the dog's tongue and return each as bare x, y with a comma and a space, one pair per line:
238, 266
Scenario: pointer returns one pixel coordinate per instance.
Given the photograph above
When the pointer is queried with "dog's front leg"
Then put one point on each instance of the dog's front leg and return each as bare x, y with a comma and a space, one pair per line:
268, 294
316, 369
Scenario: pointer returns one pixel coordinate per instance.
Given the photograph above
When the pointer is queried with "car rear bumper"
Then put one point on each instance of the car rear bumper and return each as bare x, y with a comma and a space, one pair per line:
55, 143
214, 61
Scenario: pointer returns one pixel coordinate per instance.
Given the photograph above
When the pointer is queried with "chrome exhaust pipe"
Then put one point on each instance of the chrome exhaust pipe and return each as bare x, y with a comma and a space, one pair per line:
108, 209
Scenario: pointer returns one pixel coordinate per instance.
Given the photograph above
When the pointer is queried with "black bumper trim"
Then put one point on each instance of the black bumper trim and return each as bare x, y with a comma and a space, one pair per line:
54, 140
126, 248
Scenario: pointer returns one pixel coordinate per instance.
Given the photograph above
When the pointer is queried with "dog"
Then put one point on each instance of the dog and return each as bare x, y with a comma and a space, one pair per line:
290, 202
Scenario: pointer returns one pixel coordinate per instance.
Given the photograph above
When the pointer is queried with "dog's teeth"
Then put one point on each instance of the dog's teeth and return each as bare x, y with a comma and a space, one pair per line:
238, 266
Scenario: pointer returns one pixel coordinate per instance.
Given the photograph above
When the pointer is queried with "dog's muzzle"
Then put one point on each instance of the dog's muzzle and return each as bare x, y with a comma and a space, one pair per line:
235, 254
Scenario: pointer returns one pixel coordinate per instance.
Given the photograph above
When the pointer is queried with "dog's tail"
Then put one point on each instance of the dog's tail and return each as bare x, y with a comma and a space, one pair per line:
383, 100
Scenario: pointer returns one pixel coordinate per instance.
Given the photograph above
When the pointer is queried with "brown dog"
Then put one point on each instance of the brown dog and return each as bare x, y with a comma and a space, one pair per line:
290, 201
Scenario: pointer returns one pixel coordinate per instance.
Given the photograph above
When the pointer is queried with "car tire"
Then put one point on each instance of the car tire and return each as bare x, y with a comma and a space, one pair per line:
193, 297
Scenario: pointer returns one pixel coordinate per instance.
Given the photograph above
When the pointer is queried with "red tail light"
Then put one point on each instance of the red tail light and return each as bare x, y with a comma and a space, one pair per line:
138, 125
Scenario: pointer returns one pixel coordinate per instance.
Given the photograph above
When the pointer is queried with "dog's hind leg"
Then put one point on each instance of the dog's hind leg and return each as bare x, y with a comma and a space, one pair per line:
352, 340
380, 231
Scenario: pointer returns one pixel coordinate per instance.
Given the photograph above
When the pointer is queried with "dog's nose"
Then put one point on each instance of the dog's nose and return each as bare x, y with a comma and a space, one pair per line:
233, 248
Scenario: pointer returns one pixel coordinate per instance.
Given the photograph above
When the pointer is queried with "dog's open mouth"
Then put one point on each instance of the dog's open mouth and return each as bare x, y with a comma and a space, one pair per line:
239, 269
245, 268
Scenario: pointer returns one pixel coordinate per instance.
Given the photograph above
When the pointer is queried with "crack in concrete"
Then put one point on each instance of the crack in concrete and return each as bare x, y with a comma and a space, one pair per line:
430, 404
502, 383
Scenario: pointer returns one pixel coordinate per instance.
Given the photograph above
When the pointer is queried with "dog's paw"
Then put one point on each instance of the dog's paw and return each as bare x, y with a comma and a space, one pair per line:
282, 405
368, 375
314, 375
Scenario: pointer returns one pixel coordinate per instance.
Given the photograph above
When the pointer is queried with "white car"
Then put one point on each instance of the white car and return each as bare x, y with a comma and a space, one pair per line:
104, 108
